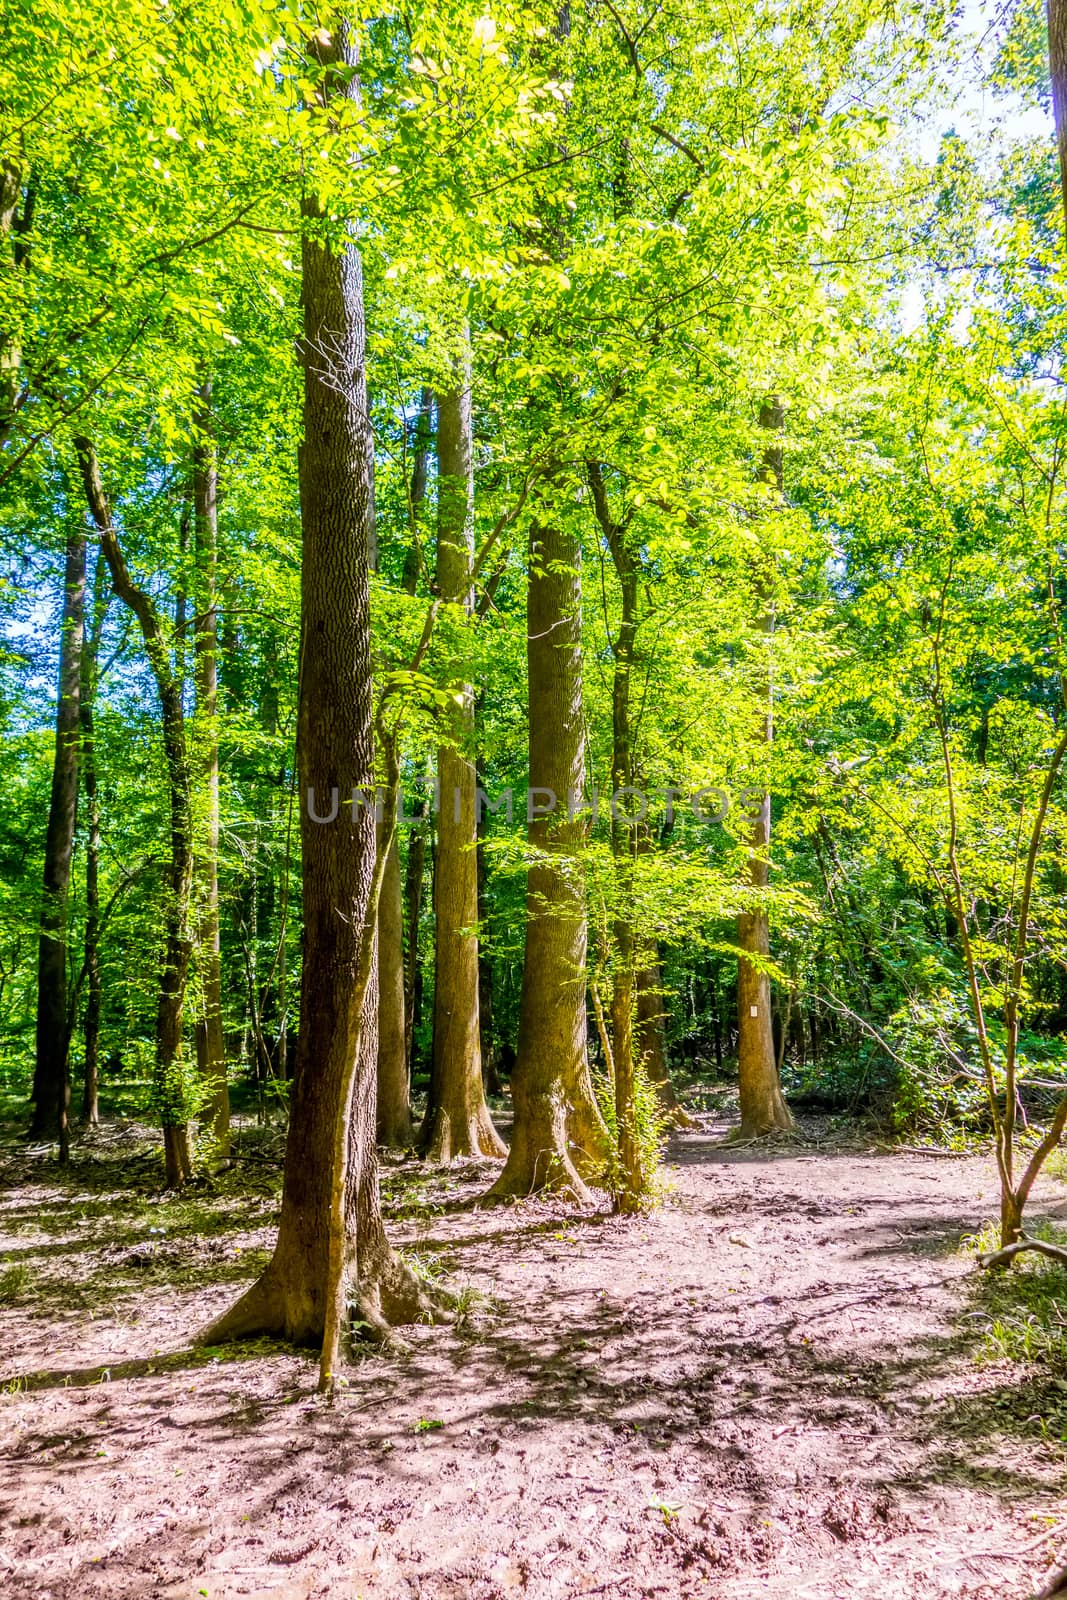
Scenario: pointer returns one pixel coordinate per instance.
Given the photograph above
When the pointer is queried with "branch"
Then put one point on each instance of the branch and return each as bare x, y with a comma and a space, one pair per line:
657, 127
999, 1258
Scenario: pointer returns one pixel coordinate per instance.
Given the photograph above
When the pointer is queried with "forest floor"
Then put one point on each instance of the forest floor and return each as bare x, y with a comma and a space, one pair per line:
777, 1384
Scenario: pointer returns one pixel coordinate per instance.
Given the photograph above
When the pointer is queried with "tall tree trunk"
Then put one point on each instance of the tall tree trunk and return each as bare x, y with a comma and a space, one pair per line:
94, 993
631, 1182
210, 1045
394, 1127
330, 1152
457, 1117
487, 1034
763, 1107
177, 1150
51, 1084
559, 1136
650, 1035
395, 1003
414, 873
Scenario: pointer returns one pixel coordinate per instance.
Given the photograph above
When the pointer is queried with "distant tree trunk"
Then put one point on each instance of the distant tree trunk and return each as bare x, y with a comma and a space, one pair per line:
763, 1107
51, 1084
395, 1003
490, 1069
394, 1127
457, 1117
559, 1136
177, 1150
650, 1034
414, 873
94, 993
210, 1044
632, 1182
330, 1153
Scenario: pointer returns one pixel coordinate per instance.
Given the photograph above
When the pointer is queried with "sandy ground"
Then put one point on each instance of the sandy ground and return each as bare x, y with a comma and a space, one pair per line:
767, 1388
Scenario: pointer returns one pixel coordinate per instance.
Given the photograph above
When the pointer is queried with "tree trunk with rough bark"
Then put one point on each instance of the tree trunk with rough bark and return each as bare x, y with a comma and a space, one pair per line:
210, 1044
457, 1121
559, 1138
763, 1107
333, 1090
51, 1083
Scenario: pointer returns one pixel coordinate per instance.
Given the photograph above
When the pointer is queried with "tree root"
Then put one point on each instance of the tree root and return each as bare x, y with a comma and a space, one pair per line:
1000, 1258
740, 1138
554, 1173
391, 1296
474, 1137
397, 1297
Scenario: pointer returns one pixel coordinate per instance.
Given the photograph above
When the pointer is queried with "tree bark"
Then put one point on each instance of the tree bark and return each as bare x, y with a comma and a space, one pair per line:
559, 1137
333, 1090
177, 1149
457, 1122
51, 1085
210, 1045
763, 1107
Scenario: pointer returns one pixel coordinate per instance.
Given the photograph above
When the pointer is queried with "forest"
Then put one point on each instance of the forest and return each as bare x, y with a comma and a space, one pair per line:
533, 856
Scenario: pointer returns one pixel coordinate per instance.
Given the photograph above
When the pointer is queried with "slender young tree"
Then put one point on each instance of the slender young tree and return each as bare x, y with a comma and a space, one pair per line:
177, 1148
763, 1107
630, 1180
210, 1046
457, 1116
559, 1138
90, 787
51, 1085
397, 958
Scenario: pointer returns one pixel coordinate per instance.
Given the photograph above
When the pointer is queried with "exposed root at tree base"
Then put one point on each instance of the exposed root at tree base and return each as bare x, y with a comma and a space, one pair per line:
391, 1297
552, 1172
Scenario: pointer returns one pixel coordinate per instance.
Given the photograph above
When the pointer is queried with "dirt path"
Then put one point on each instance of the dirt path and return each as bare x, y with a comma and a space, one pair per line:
766, 1389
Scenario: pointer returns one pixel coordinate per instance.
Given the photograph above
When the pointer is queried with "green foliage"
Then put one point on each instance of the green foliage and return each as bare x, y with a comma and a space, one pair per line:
1022, 1310
14, 1284
934, 1092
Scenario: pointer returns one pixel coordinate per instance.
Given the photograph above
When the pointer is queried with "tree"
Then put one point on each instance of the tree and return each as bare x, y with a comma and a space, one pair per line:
763, 1107
457, 1117
210, 1047
51, 1085
559, 1140
331, 1172
171, 1088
